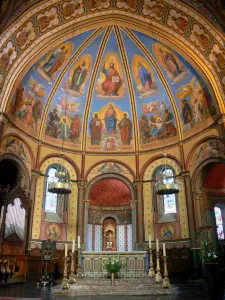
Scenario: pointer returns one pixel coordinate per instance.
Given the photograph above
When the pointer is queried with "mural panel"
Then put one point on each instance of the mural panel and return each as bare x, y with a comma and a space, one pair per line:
32, 92
65, 115
110, 126
156, 118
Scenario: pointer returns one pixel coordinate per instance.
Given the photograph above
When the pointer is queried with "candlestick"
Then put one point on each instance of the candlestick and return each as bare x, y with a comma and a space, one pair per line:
78, 242
66, 249
150, 242
166, 282
157, 245
79, 268
151, 272
73, 247
65, 282
72, 277
158, 276
164, 249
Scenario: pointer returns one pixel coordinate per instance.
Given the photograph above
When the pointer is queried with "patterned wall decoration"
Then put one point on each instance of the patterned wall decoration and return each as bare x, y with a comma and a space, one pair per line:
98, 238
110, 167
207, 149
89, 238
129, 238
148, 199
72, 203
120, 238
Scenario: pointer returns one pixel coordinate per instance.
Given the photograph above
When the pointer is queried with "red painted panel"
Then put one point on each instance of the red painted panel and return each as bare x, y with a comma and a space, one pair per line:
216, 176
110, 192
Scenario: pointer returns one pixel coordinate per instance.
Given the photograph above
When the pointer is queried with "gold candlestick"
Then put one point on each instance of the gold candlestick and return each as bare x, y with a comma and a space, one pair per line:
151, 272
72, 277
79, 268
158, 276
166, 282
65, 282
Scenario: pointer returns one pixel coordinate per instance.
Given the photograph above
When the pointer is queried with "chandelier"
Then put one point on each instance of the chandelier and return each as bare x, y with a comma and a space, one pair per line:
61, 184
166, 183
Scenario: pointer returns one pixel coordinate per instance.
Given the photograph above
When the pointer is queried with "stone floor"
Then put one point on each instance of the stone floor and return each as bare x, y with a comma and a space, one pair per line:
195, 291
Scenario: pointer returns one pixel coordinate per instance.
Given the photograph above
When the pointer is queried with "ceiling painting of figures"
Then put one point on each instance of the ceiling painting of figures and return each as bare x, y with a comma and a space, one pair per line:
110, 120
32, 92
118, 88
65, 115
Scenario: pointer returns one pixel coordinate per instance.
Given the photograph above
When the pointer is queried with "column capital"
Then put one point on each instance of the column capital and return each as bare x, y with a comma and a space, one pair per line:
138, 184
36, 173
86, 203
133, 203
82, 183
185, 174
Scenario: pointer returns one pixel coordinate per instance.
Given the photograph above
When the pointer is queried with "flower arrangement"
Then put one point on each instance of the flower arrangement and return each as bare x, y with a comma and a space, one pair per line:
113, 265
209, 253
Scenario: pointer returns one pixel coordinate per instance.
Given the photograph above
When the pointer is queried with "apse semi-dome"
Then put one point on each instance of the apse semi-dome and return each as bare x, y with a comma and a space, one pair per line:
112, 89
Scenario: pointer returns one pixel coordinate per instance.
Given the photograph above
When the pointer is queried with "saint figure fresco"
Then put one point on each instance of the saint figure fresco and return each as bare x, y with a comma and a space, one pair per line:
110, 84
125, 127
174, 68
78, 76
48, 67
96, 130
143, 76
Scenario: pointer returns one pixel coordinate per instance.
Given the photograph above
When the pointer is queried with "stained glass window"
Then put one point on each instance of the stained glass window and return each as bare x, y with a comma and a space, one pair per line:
50, 198
219, 223
169, 200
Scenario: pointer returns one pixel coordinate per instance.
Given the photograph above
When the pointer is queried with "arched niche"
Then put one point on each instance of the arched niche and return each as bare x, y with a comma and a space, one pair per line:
113, 202
68, 227
149, 198
207, 196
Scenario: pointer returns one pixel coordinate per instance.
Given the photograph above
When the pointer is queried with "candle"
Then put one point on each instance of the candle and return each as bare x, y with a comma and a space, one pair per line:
65, 250
164, 249
150, 242
73, 247
157, 245
78, 241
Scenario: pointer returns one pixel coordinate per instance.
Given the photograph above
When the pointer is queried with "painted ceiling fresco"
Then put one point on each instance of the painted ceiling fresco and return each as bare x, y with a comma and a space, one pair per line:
112, 90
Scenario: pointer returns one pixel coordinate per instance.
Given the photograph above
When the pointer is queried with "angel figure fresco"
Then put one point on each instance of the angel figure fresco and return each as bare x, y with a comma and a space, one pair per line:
217, 57
48, 67
196, 103
153, 8
78, 76
110, 83
27, 104
127, 4
146, 86
15, 146
174, 68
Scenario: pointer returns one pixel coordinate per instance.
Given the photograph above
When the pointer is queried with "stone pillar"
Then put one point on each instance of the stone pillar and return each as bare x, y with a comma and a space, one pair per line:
134, 225
34, 176
191, 220
140, 215
86, 207
80, 209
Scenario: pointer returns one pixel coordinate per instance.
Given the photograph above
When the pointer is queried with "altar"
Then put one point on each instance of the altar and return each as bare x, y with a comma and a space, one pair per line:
134, 264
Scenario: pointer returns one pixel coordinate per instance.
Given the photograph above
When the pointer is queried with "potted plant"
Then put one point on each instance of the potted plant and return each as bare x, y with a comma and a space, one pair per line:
113, 265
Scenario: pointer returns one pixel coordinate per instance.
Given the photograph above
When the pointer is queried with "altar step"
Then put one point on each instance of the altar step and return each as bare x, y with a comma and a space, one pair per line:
137, 286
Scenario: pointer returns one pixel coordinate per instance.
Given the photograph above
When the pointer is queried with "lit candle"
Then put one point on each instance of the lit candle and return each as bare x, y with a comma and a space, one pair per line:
150, 242
78, 242
65, 250
157, 245
73, 247
164, 249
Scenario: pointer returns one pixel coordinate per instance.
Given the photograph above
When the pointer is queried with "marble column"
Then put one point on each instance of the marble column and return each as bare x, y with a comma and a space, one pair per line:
81, 184
34, 176
191, 219
140, 215
86, 208
134, 225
